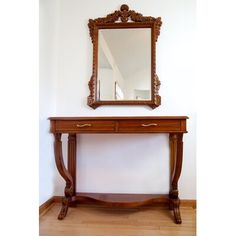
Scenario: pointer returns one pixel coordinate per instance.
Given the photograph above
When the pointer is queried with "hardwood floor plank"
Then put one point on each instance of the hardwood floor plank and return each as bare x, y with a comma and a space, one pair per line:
103, 221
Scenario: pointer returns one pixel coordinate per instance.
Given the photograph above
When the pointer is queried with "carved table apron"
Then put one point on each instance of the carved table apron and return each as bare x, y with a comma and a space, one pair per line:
175, 126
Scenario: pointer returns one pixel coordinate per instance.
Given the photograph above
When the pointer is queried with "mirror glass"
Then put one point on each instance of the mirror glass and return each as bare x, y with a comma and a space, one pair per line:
124, 64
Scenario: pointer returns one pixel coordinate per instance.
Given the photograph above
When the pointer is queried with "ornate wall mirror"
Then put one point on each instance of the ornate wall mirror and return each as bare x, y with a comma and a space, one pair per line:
124, 59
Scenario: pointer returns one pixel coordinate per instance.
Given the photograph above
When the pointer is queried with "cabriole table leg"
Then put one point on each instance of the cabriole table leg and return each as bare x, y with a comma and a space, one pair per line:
176, 150
69, 189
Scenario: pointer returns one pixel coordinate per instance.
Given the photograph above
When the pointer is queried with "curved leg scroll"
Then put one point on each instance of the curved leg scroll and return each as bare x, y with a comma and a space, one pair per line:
176, 147
176, 210
64, 208
69, 189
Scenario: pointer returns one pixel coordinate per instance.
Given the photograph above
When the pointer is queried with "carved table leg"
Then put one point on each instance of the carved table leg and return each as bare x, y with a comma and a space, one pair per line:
64, 208
176, 151
176, 203
69, 189
72, 161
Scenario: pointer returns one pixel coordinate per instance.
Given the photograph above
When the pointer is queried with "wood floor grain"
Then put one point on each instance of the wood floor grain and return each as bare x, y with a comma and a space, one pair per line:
101, 221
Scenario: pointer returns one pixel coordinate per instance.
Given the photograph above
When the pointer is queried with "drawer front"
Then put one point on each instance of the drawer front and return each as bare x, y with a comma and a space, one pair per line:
149, 126
85, 126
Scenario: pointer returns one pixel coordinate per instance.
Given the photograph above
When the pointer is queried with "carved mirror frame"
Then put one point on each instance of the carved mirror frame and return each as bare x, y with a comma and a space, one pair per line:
128, 19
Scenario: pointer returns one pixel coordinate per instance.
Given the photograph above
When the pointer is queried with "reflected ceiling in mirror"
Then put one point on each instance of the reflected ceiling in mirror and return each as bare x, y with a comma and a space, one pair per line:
124, 64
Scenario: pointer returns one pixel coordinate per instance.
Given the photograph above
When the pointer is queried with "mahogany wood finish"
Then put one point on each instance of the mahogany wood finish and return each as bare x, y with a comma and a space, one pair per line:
122, 200
176, 165
128, 19
72, 158
175, 126
128, 200
66, 175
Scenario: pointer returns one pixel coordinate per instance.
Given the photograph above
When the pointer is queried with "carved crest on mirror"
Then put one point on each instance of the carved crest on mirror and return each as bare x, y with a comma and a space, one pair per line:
124, 54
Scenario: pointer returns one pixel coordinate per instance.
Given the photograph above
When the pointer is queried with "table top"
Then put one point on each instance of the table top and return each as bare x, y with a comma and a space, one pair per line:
120, 118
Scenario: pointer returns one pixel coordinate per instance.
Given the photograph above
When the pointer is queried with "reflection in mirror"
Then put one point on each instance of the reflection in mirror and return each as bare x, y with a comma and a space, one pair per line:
124, 64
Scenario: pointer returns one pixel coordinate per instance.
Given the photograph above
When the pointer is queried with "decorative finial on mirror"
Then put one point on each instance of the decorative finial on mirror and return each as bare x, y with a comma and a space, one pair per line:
124, 7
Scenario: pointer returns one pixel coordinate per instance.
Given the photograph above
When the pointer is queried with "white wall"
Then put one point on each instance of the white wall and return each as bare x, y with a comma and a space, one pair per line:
47, 94
136, 163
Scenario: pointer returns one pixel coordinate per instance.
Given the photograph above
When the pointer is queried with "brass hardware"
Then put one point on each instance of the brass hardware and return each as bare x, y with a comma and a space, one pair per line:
151, 124
83, 125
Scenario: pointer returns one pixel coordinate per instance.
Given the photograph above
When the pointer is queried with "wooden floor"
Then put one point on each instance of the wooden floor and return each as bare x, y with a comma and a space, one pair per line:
102, 221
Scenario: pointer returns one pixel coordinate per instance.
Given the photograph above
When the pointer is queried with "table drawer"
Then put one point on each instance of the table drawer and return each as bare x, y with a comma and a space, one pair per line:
149, 126
85, 126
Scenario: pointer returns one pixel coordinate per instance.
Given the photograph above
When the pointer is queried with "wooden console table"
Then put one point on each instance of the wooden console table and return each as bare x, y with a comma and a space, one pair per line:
175, 126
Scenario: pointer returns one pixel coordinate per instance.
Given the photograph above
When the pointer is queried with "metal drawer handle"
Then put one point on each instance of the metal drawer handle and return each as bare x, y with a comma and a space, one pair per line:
151, 124
83, 125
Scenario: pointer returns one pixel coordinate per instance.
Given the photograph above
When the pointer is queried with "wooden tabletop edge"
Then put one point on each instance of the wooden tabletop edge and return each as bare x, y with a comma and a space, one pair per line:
117, 117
